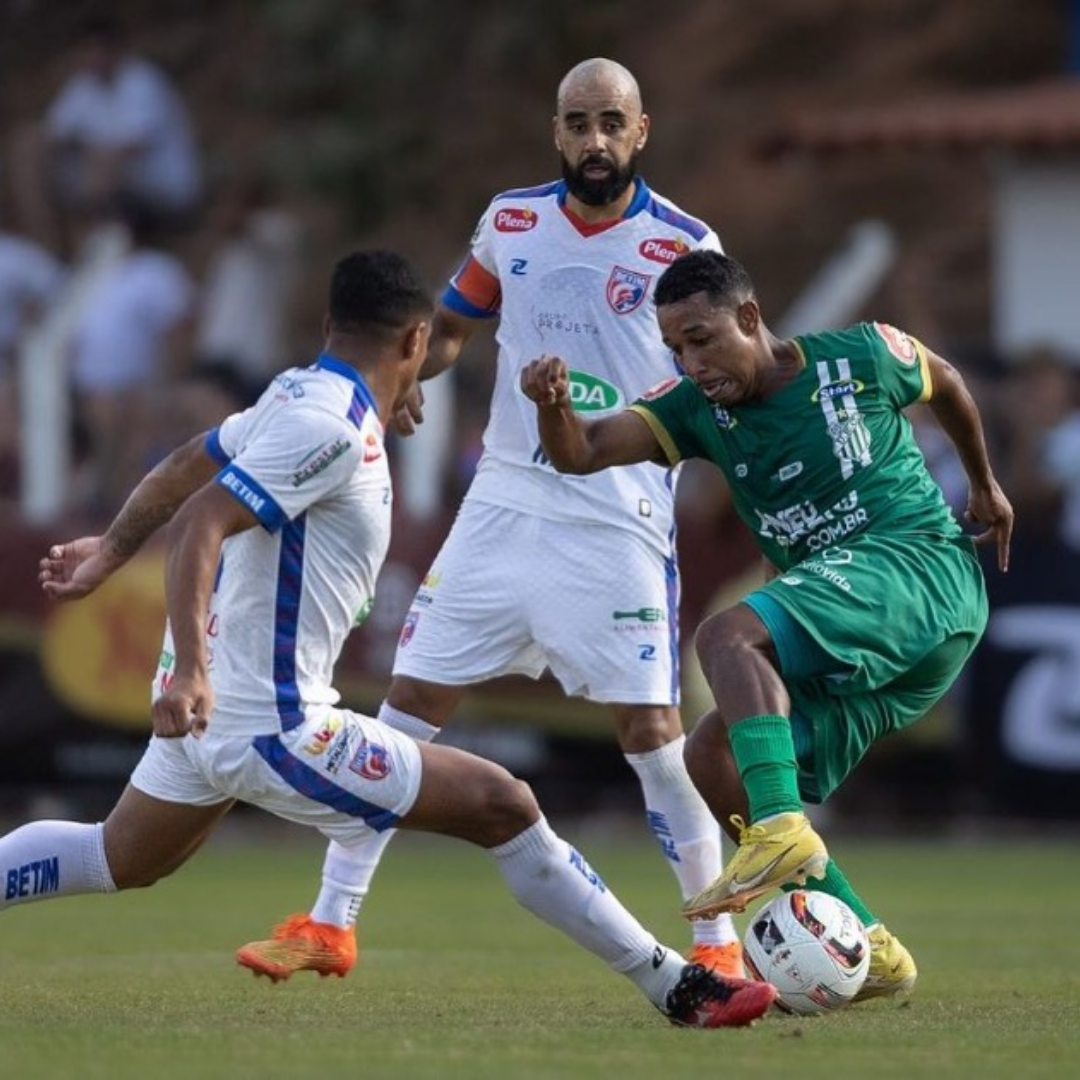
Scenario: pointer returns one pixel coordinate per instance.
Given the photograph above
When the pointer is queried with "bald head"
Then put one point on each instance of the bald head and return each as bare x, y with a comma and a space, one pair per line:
603, 76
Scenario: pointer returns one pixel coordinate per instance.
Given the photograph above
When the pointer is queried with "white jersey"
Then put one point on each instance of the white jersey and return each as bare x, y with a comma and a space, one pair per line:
308, 460
584, 293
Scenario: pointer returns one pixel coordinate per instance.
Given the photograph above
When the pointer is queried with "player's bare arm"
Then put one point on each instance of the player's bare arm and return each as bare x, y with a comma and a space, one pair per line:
75, 569
574, 445
958, 415
449, 333
200, 528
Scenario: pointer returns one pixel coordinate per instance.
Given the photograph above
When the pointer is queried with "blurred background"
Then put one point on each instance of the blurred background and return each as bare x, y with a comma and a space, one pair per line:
902, 160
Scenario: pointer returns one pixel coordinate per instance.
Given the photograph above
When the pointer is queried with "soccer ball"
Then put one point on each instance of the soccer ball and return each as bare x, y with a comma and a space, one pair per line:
811, 947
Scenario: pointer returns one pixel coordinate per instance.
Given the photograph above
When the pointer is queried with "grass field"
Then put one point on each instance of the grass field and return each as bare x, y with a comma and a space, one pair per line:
457, 981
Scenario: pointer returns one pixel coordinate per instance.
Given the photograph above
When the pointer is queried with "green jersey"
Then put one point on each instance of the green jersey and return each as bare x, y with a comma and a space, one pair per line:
828, 457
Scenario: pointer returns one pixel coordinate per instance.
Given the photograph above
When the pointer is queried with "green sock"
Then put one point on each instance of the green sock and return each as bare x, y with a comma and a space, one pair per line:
765, 754
835, 884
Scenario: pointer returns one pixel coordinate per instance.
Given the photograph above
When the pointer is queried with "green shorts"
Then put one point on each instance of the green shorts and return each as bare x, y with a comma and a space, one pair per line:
869, 637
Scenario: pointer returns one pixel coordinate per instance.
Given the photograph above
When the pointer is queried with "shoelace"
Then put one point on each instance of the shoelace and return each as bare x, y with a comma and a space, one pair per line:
697, 986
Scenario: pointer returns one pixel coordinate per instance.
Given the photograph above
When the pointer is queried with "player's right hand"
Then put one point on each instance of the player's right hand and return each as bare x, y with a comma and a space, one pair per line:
184, 707
546, 381
75, 569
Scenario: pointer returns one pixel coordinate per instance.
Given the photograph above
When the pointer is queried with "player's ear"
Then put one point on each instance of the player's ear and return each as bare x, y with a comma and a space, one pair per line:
415, 339
748, 317
643, 132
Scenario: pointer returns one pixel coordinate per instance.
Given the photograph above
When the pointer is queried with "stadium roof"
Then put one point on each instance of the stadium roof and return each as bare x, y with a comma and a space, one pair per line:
1037, 117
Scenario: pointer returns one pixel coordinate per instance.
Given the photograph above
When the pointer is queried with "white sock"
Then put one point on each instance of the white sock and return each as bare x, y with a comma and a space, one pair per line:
347, 871
688, 833
47, 859
552, 880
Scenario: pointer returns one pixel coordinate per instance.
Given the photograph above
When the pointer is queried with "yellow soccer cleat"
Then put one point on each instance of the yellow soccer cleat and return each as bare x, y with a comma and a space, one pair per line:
777, 852
892, 969
726, 960
300, 944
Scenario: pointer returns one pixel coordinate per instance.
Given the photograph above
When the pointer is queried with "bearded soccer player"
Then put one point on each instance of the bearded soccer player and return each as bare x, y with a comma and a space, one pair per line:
540, 570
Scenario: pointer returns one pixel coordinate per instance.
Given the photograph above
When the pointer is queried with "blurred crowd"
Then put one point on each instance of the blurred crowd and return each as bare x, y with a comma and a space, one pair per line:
168, 294
175, 292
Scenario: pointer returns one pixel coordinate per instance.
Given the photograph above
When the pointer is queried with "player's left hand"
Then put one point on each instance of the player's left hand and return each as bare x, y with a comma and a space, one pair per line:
987, 506
184, 707
410, 413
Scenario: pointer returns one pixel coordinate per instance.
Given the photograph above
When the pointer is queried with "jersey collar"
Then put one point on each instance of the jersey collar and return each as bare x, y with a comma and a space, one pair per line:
326, 362
637, 204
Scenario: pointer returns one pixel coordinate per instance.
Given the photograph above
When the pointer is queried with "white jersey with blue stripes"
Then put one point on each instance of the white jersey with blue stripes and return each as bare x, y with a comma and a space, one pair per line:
585, 293
308, 460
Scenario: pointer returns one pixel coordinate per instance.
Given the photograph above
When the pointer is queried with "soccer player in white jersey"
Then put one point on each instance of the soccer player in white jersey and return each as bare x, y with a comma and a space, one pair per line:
280, 523
540, 570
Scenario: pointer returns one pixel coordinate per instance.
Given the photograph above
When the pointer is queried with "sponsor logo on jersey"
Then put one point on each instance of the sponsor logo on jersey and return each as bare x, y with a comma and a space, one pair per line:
288, 386
590, 393
324, 735
723, 419
363, 611
371, 761
372, 449
515, 219
319, 459
642, 614
661, 388
820, 530
338, 752
839, 389
662, 250
626, 289
788, 472
253, 501
900, 345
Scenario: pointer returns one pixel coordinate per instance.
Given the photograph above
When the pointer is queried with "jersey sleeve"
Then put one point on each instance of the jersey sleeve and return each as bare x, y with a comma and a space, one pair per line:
669, 408
474, 290
902, 368
284, 468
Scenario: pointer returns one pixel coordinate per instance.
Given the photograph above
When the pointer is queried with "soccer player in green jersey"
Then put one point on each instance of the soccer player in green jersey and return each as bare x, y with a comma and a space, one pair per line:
874, 599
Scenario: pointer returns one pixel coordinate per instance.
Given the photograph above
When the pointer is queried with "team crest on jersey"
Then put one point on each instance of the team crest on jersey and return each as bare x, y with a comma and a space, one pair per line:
408, 628
663, 250
515, 219
626, 289
900, 345
661, 388
371, 761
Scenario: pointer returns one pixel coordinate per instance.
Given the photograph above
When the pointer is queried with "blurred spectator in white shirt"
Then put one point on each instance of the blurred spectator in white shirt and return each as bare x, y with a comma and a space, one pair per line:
129, 348
248, 288
117, 128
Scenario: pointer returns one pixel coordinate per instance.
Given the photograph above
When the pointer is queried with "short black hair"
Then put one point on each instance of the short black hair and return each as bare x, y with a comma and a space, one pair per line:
723, 279
376, 292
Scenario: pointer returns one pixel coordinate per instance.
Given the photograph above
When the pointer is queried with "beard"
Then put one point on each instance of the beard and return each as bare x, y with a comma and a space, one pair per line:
599, 191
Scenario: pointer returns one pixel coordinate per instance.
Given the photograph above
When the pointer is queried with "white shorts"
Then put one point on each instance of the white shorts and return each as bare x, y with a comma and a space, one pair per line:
513, 594
342, 773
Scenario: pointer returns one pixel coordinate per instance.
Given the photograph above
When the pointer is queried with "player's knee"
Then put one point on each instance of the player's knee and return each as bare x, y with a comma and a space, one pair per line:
728, 636
510, 807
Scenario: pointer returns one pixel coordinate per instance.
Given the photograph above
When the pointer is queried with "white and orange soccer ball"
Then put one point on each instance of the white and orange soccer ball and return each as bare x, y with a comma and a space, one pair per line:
811, 947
